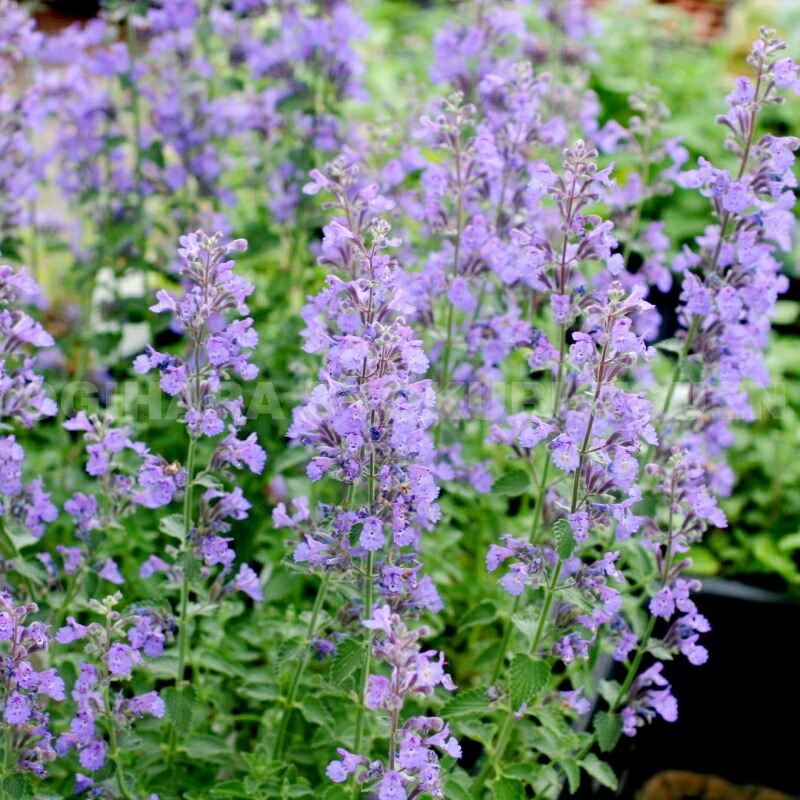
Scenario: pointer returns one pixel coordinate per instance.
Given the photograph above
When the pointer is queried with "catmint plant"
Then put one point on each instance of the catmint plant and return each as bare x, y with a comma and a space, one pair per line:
27, 737
116, 645
210, 313
368, 422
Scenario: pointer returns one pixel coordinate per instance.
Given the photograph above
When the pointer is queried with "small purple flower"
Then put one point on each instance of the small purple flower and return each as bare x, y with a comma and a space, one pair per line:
247, 581
391, 787
663, 604
17, 710
564, 453
110, 572
93, 755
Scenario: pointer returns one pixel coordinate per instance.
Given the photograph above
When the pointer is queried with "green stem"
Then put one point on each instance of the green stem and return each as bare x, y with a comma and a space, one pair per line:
183, 614
183, 635
456, 261
367, 657
283, 727
501, 653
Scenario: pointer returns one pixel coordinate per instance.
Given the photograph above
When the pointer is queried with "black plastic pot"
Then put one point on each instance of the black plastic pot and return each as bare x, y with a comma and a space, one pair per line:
738, 713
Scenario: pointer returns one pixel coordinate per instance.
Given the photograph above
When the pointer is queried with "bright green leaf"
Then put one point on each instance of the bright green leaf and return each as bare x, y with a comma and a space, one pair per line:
347, 663
565, 539
471, 702
528, 677
180, 705
609, 729
512, 484
509, 789
600, 771
173, 526
573, 773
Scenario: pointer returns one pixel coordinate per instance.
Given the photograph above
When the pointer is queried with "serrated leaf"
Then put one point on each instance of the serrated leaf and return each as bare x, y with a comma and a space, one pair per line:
180, 706
573, 773
609, 729
190, 565
315, 711
16, 787
528, 676
173, 526
481, 614
565, 539
509, 789
600, 771
554, 721
513, 483
347, 662
472, 702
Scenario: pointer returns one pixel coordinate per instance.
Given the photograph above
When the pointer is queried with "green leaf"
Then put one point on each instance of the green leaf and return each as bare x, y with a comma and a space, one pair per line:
671, 346
173, 526
30, 569
525, 625
600, 771
528, 677
511, 484
472, 702
315, 711
191, 567
455, 791
565, 539
347, 662
509, 789
16, 787
180, 706
481, 614
553, 720
693, 370
521, 771
608, 691
207, 481
203, 746
609, 729
573, 773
